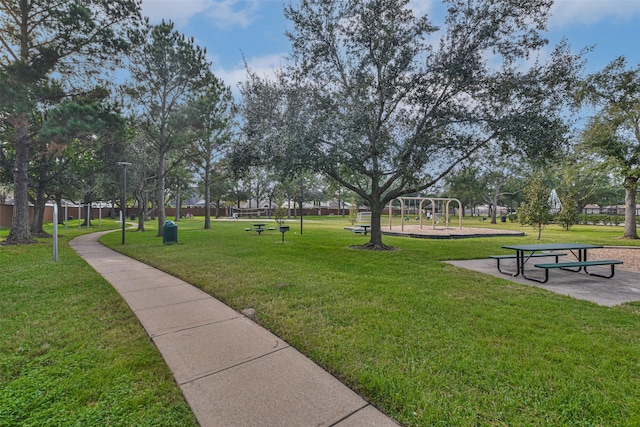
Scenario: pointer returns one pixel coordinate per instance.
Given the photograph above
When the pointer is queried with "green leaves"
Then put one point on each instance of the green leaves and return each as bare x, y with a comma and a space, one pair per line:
51, 49
371, 103
613, 133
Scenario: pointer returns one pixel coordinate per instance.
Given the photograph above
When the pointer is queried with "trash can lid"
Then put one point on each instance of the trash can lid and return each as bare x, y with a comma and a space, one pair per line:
169, 223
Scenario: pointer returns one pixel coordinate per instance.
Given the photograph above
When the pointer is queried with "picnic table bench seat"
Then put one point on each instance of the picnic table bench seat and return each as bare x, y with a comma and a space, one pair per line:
357, 230
580, 264
259, 230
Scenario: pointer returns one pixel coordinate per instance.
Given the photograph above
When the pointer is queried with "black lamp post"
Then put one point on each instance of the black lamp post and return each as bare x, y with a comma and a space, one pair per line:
124, 194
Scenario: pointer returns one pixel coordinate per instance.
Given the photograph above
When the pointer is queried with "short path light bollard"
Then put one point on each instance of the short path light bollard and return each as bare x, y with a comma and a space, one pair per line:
283, 229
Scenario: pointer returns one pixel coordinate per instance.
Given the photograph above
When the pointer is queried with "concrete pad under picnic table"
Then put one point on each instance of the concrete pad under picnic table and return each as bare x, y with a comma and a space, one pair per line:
623, 287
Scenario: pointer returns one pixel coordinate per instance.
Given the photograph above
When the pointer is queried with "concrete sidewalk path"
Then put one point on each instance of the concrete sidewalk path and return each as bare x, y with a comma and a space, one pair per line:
232, 371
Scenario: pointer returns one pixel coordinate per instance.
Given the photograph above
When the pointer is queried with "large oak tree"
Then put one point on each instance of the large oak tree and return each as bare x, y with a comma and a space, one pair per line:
614, 131
388, 103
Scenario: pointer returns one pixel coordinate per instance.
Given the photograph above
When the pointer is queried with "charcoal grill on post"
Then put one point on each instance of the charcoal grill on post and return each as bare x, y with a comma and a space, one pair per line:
283, 229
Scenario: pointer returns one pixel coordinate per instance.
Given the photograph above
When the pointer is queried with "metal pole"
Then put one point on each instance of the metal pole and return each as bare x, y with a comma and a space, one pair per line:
301, 204
55, 231
124, 199
124, 195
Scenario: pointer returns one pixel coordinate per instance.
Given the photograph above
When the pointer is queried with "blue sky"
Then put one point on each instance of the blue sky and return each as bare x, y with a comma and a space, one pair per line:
231, 29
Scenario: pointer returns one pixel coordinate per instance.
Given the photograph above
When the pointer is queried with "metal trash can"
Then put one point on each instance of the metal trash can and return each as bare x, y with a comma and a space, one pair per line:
170, 233
132, 217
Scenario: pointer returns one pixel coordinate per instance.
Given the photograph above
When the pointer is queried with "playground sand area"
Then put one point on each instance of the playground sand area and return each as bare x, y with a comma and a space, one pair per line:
428, 231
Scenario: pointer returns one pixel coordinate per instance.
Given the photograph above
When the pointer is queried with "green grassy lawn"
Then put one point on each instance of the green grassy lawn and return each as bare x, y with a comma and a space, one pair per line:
426, 342
71, 351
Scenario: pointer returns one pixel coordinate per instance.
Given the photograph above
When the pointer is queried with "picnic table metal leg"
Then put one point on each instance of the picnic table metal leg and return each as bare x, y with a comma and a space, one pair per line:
545, 280
580, 257
613, 271
519, 265
524, 276
505, 272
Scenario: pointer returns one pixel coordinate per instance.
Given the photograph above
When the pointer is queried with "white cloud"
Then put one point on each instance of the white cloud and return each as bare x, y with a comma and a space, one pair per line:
176, 11
224, 14
231, 13
565, 13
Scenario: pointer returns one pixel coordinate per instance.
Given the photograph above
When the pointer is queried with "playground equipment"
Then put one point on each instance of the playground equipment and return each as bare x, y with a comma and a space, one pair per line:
443, 207
363, 218
238, 213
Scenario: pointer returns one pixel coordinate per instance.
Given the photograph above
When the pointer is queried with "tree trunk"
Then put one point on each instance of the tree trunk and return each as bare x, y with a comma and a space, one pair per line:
87, 218
20, 230
141, 209
39, 205
375, 242
112, 211
630, 227
37, 222
40, 202
160, 195
145, 210
178, 204
494, 208
207, 201
61, 217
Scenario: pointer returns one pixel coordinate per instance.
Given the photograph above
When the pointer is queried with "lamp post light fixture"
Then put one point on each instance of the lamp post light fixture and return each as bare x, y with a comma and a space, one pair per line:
124, 195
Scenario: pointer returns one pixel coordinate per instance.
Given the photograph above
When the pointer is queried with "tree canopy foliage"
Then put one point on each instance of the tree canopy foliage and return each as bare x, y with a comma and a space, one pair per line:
49, 50
387, 103
614, 131
212, 114
167, 72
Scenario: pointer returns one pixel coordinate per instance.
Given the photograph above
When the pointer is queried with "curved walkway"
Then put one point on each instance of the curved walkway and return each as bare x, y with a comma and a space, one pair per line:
232, 371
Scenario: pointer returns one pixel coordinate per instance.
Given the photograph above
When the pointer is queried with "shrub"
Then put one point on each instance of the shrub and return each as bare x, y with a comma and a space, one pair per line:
568, 215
